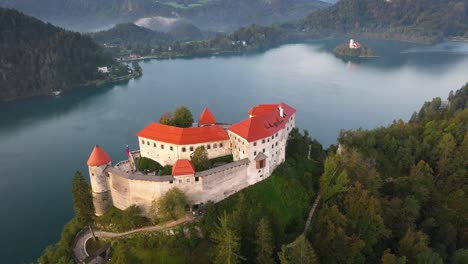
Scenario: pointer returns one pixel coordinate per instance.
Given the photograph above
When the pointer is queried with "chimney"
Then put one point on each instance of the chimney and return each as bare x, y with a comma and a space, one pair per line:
281, 110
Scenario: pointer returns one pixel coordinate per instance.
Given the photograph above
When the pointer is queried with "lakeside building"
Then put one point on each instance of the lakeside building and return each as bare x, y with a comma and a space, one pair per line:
257, 144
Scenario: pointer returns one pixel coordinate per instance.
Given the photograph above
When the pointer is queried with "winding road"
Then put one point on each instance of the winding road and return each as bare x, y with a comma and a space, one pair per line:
79, 248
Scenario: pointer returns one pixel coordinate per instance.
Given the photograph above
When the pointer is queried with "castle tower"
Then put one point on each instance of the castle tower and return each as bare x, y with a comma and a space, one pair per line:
97, 163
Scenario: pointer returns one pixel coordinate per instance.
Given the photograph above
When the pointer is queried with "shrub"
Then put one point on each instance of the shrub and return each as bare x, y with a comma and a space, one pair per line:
148, 165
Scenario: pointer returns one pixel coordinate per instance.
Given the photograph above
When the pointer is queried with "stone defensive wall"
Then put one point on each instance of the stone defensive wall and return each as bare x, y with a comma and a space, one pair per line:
128, 188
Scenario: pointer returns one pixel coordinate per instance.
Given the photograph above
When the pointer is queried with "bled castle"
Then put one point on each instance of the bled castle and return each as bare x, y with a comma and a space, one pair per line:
257, 144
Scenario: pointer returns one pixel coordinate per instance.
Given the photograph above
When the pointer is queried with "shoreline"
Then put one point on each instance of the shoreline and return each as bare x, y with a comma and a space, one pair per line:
88, 85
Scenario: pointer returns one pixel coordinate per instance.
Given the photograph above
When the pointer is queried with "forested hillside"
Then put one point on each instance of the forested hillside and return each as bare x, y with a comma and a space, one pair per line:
37, 58
131, 36
409, 20
398, 194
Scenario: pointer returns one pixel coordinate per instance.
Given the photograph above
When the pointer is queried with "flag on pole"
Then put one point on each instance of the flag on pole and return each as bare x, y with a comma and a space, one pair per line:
127, 150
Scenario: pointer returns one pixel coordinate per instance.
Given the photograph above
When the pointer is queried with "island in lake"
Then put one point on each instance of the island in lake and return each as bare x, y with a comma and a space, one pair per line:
354, 49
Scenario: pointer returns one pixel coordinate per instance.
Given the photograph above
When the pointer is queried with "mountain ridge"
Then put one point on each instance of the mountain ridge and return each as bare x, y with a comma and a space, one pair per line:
37, 58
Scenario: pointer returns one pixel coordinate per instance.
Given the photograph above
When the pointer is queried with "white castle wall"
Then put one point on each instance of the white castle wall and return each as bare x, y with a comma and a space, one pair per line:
212, 185
168, 154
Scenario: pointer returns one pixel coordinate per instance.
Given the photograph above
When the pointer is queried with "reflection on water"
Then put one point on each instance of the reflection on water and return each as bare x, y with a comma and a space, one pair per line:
44, 141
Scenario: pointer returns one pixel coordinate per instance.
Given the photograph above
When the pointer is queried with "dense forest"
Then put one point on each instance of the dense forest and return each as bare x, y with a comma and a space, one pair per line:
131, 37
38, 58
126, 39
390, 195
408, 20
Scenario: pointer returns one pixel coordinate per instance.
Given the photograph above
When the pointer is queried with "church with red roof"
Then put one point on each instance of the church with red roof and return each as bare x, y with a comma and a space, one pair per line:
257, 145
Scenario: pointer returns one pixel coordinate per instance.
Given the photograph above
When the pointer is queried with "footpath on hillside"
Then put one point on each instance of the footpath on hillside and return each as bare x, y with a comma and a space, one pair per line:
79, 245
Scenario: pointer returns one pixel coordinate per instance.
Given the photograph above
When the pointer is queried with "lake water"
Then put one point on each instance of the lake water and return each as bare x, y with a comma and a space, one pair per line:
44, 141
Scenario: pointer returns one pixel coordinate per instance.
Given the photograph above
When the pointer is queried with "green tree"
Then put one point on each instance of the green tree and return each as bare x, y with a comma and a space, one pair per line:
82, 200
460, 256
171, 206
428, 257
148, 165
227, 246
389, 258
199, 159
301, 251
264, 243
166, 119
412, 244
283, 256
447, 153
333, 181
182, 117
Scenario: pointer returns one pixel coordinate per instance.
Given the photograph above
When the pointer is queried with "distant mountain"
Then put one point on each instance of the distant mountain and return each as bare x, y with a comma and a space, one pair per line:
408, 20
186, 31
214, 15
131, 36
38, 58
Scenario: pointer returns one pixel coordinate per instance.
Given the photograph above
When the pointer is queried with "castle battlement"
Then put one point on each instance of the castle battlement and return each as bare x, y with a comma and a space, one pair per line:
258, 146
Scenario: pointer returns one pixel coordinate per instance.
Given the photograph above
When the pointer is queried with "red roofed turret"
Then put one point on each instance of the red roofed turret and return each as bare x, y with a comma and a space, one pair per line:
98, 157
183, 167
206, 118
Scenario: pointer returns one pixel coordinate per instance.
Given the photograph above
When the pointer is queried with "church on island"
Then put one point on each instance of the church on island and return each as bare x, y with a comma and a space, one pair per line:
257, 145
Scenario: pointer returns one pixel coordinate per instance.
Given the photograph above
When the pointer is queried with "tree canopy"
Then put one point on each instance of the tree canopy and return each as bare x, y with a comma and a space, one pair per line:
171, 206
182, 117
82, 200
39, 58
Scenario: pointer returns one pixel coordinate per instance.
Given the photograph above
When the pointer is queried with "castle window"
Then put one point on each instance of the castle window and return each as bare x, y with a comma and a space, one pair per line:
197, 179
180, 181
276, 144
272, 146
148, 143
261, 176
260, 164
92, 173
188, 179
263, 150
263, 141
171, 148
191, 148
255, 153
170, 182
220, 145
208, 146
215, 145
276, 134
268, 140
143, 141
154, 145
162, 146
255, 144
272, 137
184, 149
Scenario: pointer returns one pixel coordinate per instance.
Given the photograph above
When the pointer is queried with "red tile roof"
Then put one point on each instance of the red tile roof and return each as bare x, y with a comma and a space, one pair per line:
183, 167
183, 136
265, 122
206, 117
98, 157
262, 109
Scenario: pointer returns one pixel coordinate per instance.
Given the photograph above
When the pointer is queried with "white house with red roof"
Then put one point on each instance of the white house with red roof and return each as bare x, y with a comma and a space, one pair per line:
262, 138
167, 144
258, 146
